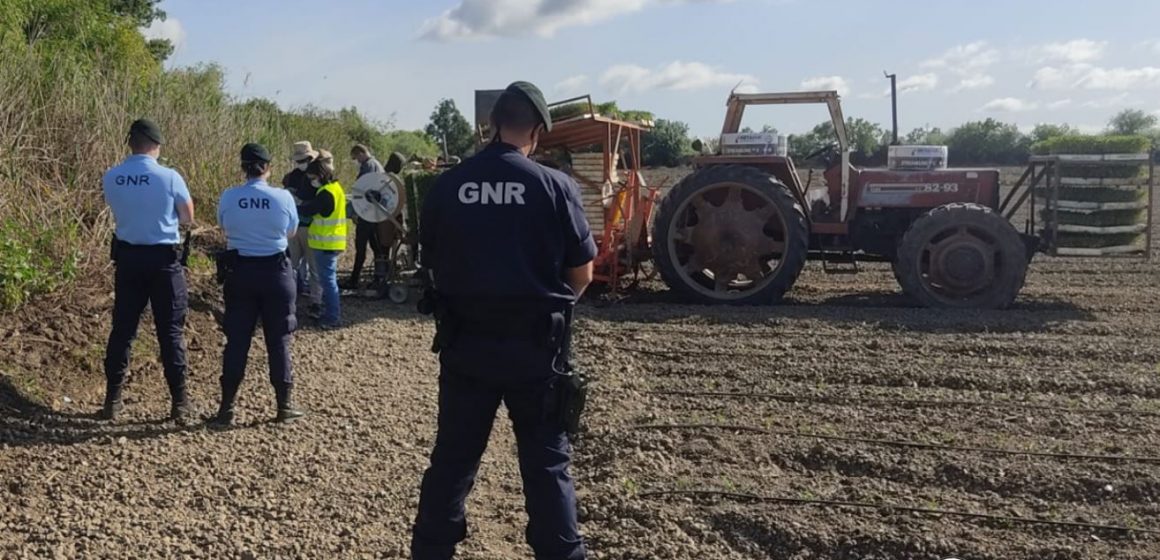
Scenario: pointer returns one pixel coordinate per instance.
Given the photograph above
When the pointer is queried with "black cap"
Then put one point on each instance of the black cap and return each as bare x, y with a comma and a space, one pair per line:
148, 129
535, 97
256, 152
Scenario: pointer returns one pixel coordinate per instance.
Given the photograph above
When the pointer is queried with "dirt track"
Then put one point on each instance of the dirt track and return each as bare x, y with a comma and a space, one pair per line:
845, 357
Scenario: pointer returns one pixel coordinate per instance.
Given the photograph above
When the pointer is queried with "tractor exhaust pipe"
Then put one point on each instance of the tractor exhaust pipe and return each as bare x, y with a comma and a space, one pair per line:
893, 106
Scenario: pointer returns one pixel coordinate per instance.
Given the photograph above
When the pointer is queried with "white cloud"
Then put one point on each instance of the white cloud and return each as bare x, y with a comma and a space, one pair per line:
1121, 79
921, 82
973, 82
1108, 102
171, 29
1091, 77
827, 83
624, 78
970, 58
1008, 105
1056, 105
746, 88
572, 85
1076, 51
482, 19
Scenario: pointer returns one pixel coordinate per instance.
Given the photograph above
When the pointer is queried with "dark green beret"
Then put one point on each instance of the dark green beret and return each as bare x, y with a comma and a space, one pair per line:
148, 129
255, 153
536, 98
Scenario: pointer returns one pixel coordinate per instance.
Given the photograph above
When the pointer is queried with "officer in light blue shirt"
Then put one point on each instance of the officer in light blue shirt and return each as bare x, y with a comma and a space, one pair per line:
258, 220
149, 202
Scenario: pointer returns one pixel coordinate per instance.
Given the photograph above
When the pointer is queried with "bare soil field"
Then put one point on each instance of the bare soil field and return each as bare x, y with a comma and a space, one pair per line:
844, 424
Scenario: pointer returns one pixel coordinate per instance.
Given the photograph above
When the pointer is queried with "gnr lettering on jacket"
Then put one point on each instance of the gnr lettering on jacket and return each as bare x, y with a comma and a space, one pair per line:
131, 180
499, 193
254, 203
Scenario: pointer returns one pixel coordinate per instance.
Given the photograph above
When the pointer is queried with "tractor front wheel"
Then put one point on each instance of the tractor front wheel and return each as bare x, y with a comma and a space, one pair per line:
730, 234
961, 256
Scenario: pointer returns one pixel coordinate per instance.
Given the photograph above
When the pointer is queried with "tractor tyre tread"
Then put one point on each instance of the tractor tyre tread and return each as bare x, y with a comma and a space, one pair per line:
907, 269
797, 234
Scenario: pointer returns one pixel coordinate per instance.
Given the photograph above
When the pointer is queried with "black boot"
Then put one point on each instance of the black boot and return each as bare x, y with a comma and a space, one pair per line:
287, 412
113, 406
181, 410
225, 415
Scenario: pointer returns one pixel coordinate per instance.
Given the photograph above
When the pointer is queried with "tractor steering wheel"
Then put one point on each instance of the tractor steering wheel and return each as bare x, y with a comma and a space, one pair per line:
831, 147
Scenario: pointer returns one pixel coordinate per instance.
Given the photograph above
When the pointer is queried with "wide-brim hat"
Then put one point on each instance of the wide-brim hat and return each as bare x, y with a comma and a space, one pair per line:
303, 150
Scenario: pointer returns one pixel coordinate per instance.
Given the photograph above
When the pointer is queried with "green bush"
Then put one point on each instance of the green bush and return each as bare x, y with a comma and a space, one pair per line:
1091, 144
34, 262
419, 183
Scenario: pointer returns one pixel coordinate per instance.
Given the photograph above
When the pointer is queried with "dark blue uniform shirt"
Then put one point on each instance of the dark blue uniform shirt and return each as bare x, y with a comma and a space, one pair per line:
501, 227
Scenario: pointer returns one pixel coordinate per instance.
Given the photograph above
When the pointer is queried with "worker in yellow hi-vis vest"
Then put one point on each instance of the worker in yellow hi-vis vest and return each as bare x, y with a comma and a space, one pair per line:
327, 236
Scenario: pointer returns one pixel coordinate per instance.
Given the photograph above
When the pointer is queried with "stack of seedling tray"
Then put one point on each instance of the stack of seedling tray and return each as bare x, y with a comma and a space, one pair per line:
1096, 202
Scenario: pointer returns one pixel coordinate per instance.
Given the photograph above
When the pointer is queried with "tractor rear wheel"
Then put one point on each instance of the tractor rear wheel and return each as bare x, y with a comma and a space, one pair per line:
730, 234
961, 256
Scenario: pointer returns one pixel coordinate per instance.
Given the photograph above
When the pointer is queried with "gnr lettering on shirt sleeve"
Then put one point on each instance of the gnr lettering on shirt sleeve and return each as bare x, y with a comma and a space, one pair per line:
499, 193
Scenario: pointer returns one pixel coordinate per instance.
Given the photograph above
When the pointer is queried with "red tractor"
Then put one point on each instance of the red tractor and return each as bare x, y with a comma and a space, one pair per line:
740, 228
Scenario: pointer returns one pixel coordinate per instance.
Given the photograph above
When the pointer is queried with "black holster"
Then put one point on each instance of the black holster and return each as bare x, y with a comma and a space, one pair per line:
446, 326
185, 248
571, 387
226, 262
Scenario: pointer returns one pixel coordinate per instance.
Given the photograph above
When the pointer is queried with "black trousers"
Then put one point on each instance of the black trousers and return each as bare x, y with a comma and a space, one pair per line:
477, 374
259, 288
365, 233
149, 275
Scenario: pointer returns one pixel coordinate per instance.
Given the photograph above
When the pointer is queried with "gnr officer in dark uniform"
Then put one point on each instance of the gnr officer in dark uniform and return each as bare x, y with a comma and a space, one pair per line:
509, 250
149, 202
258, 220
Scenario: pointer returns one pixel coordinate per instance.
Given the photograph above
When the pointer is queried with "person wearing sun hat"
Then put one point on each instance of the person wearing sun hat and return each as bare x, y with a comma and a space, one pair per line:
258, 221
301, 255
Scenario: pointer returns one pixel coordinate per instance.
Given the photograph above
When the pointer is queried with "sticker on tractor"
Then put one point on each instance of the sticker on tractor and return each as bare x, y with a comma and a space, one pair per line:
912, 188
903, 194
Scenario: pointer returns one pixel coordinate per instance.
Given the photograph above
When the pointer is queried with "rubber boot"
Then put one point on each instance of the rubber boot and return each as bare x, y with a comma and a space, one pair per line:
287, 412
224, 418
113, 405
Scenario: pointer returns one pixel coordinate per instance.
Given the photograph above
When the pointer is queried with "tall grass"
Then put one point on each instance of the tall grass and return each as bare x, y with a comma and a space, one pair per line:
63, 124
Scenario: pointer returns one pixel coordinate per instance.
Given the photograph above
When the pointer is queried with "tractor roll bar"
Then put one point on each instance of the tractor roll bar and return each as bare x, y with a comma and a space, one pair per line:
738, 101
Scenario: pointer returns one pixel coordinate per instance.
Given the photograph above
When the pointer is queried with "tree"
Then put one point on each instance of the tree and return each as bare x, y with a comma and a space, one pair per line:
925, 136
410, 143
1043, 131
143, 13
1132, 122
104, 32
766, 129
865, 137
666, 144
990, 142
448, 124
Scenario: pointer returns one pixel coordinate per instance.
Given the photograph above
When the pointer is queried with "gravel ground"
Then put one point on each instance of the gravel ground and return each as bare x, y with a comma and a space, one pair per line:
750, 401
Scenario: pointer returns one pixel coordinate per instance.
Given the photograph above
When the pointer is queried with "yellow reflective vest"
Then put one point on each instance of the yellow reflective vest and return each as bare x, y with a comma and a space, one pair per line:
328, 233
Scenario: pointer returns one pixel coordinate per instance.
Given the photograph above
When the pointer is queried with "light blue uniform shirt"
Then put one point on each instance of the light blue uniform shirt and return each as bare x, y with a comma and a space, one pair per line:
144, 196
257, 218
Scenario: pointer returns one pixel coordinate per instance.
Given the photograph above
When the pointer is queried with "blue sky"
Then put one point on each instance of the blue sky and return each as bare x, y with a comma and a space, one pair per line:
1030, 61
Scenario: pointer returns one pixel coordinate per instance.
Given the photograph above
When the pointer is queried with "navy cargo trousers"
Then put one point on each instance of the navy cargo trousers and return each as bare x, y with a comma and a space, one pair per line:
265, 288
478, 373
148, 275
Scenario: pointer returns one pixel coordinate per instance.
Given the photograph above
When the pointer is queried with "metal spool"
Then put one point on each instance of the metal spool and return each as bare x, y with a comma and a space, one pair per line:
376, 197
